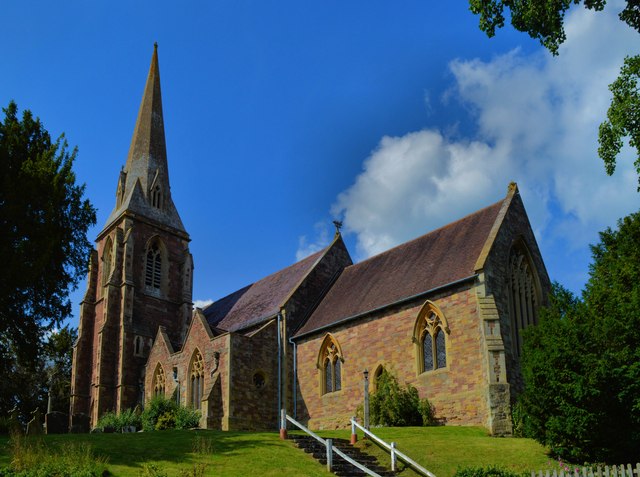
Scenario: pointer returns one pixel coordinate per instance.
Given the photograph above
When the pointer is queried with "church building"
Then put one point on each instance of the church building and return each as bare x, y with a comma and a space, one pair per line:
443, 312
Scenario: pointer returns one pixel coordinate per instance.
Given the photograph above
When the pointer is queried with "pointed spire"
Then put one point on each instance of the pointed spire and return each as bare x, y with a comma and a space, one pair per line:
143, 187
148, 151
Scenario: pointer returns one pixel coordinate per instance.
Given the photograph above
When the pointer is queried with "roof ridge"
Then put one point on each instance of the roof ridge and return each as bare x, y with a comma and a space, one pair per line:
448, 225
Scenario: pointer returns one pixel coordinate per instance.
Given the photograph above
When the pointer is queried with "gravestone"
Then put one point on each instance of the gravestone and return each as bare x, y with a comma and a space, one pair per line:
34, 427
56, 422
15, 427
79, 423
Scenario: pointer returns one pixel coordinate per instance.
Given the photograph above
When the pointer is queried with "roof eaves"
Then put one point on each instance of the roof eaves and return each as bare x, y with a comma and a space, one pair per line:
382, 307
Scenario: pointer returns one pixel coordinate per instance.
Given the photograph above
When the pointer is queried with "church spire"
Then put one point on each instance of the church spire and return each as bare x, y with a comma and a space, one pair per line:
143, 187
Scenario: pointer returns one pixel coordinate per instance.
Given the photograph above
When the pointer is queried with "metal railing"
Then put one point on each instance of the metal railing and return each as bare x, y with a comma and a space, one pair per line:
328, 443
395, 453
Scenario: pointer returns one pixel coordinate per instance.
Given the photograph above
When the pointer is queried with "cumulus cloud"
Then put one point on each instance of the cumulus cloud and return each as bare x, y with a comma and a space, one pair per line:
202, 303
536, 119
307, 247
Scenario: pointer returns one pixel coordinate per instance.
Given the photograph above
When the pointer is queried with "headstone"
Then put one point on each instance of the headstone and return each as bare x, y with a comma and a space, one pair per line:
34, 427
79, 423
56, 422
15, 427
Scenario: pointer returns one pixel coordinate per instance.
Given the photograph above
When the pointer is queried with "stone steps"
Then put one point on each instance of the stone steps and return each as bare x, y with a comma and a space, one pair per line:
340, 466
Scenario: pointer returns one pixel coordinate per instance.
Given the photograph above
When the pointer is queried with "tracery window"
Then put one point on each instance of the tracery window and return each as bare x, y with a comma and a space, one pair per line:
159, 381
330, 364
523, 294
430, 338
153, 266
196, 380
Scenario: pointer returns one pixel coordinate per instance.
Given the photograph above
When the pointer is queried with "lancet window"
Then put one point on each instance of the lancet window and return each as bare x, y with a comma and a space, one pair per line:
430, 337
196, 380
153, 266
330, 364
523, 294
156, 197
107, 261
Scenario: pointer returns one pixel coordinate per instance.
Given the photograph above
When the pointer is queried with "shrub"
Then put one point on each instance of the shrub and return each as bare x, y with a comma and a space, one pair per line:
157, 407
187, 418
117, 422
166, 421
391, 405
491, 471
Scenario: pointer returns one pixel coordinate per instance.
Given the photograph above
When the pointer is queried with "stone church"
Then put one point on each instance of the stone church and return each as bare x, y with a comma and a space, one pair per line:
443, 312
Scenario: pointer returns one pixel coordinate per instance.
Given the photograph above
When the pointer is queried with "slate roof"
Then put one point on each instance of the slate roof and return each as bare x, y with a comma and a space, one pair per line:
261, 300
438, 258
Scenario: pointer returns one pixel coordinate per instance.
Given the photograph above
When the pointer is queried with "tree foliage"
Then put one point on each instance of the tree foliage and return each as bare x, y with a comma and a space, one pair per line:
44, 248
581, 364
543, 20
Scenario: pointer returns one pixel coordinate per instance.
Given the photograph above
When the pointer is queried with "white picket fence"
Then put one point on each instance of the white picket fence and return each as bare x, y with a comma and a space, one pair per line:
613, 471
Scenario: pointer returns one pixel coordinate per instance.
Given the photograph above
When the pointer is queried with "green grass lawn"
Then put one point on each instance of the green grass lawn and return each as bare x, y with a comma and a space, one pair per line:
440, 449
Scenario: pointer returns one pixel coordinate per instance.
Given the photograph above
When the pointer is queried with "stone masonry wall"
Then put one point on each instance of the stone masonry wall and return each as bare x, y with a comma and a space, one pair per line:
385, 338
515, 226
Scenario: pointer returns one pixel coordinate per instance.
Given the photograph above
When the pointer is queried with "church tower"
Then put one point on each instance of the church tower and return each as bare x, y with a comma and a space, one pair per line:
140, 276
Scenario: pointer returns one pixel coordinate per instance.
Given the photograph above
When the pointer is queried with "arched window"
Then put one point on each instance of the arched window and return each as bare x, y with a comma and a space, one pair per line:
159, 381
156, 197
196, 380
153, 266
523, 294
330, 363
430, 338
138, 346
107, 261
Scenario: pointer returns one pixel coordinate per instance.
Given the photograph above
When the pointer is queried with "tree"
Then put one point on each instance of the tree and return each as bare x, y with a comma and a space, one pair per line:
581, 364
544, 20
43, 237
58, 357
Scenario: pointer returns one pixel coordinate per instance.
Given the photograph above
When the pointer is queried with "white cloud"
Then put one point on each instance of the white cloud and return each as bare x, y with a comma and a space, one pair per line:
536, 119
306, 247
202, 303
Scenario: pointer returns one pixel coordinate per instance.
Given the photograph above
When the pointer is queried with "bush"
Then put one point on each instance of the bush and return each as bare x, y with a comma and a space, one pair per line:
391, 405
117, 422
490, 471
187, 418
156, 408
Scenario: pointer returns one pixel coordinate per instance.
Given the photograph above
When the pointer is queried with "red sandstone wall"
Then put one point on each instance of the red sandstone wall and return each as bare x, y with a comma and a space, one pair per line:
457, 391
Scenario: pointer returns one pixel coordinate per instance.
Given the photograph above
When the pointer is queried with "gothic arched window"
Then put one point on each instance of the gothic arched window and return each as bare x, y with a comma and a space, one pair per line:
429, 335
196, 380
153, 265
107, 261
159, 381
330, 364
523, 294
156, 197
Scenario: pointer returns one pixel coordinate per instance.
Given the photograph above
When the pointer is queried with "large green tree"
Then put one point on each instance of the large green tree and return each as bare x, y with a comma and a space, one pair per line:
544, 20
581, 364
43, 238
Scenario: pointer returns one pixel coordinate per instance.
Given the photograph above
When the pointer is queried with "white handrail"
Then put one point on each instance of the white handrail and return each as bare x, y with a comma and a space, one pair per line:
333, 448
406, 459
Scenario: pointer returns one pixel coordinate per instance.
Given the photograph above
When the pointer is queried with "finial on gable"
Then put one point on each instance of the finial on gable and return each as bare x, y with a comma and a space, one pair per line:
338, 225
513, 188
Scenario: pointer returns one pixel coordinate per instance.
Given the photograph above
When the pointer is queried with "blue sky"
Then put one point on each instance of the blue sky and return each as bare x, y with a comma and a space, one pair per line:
397, 117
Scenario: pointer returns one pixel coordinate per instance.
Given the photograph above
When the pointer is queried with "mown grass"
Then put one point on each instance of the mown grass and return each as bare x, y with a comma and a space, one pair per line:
442, 450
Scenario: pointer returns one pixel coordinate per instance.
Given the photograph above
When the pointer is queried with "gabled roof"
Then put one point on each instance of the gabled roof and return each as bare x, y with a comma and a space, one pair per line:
439, 258
260, 301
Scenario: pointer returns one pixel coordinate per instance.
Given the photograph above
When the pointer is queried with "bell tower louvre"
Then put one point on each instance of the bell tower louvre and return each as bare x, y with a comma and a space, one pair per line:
140, 276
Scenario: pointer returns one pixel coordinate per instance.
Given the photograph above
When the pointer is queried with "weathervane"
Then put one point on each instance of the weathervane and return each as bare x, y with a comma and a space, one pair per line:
338, 224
